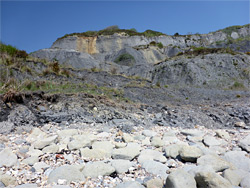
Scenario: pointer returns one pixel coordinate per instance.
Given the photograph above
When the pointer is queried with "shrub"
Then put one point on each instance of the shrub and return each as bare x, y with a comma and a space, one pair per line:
160, 45
22, 54
12, 51
125, 59
176, 34
55, 67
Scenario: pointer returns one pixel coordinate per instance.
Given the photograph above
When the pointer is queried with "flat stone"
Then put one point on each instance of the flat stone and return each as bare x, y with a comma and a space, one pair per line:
127, 138
131, 151
192, 132
211, 179
146, 142
157, 141
36, 134
120, 145
193, 170
240, 124
6, 127
130, 184
34, 152
211, 141
156, 168
238, 159
94, 153
149, 133
98, 168
121, 166
7, 180
232, 177
30, 160
180, 179
195, 139
40, 166
77, 144
155, 183
40, 144
8, 158
68, 172
245, 182
169, 140
245, 143
105, 145
173, 150
217, 149
190, 153
216, 162
149, 154
51, 149
222, 134
67, 133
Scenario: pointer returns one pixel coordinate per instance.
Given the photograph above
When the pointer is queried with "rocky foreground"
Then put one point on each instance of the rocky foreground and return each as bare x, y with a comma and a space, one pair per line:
102, 156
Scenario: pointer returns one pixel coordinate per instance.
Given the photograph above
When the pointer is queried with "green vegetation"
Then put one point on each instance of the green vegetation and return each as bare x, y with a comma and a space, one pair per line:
204, 51
115, 29
237, 85
12, 51
125, 59
229, 30
158, 44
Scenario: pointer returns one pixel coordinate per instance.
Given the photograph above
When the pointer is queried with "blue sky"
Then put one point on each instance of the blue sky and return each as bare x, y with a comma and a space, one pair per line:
33, 25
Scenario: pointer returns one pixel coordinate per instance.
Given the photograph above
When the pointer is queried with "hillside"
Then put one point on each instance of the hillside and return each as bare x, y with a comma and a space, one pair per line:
119, 108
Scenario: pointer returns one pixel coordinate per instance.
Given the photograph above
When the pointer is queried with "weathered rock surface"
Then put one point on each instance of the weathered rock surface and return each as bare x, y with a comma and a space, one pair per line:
98, 168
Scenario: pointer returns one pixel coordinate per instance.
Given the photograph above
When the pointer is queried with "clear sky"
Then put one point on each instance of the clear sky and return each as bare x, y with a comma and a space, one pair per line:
33, 25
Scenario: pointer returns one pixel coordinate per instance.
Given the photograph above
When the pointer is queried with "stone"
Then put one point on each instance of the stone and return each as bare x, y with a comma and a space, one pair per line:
211, 179
127, 138
77, 144
36, 134
8, 158
232, 177
148, 133
30, 160
130, 184
192, 132
51, 149
211, 141
156, 168
217, 150
34, 152
40, 144
238, 159
240, 124
146, 142
120, 145
94, 153
180, 179
1, 184
155, 183
216, 162
67, 133
157, 141
6, 127
98, 168
222, 134
40, 166
195, 139
104, 145
27, 185
169, 139
190, 153
245, 182
7, 180
121, 166
131, 151
245, 143
234, 35
149, 154
173, 150
68, 172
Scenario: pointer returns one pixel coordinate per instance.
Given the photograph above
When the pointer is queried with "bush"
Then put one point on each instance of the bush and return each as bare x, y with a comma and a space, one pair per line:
12, 51
176, 34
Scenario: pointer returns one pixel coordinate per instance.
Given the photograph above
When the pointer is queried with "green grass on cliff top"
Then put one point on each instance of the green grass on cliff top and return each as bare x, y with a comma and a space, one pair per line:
115, 29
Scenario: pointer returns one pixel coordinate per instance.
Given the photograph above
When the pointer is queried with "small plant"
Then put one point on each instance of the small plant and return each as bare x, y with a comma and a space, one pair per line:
237, 85
125, 59
55, 67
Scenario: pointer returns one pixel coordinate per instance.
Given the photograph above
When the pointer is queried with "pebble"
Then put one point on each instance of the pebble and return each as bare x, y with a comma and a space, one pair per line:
55, 156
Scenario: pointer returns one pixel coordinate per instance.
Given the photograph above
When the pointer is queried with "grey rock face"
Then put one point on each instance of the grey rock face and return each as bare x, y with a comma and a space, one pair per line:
179, 179
8, 158
232, 177
6, 127
70, 173
245, 182
245, 143
98, 168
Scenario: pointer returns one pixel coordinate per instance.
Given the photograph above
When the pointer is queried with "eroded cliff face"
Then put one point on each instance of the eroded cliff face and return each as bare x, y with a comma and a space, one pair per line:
118, 41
